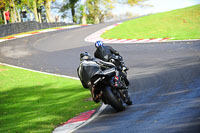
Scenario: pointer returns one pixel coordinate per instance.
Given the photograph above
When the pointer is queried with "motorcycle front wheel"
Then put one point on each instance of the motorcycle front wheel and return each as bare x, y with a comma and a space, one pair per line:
126, 81
114, 100
124, 78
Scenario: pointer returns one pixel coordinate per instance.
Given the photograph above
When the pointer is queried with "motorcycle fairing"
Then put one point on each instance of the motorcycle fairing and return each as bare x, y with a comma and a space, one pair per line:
88, 69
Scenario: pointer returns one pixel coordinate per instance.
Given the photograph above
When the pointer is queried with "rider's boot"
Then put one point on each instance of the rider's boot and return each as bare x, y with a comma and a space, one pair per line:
95, 97
129, 102
128, 99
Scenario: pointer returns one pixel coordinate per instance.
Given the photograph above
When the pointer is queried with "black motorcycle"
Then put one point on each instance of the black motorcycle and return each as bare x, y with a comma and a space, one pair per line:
117, 60
110, 87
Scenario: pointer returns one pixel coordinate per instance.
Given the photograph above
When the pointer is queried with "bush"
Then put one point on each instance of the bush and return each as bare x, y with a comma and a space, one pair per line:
1, 21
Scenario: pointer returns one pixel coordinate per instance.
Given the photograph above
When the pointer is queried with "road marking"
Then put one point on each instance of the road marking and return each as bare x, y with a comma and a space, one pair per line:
58, 75
71, 127
96, 36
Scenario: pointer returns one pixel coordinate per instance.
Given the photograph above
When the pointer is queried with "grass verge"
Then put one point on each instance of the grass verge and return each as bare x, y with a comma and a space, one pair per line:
178, 24
34, 102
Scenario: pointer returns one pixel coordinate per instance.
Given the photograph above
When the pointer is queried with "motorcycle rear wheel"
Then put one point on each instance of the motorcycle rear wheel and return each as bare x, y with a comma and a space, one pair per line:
115, 102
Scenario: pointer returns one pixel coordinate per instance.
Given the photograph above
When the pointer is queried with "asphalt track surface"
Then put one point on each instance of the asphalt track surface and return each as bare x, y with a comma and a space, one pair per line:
164, 77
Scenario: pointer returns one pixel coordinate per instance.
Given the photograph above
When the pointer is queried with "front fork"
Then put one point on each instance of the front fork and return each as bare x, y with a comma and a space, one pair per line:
120, 88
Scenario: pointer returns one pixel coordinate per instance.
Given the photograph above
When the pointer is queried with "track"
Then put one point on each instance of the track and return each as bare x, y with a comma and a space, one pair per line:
165, 78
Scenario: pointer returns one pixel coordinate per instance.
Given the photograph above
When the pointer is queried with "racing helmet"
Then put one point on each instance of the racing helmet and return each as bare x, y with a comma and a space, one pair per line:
98, 43
85, 56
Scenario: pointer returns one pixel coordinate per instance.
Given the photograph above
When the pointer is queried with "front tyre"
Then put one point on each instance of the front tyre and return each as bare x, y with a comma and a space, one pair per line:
113, 100
124, 78
126, 81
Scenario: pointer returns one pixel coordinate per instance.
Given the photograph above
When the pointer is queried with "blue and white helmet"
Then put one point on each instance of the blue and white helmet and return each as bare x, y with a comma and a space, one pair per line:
98, 43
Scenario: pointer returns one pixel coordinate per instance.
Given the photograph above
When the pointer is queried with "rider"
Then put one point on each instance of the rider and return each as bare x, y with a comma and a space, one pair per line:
88, 68
107, 53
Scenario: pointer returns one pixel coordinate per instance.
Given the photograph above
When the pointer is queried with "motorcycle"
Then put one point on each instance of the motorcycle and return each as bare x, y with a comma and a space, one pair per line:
118, 61
109, 86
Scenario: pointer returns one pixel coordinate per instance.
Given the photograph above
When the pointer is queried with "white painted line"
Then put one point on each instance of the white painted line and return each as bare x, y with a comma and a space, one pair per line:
48, 30
157, 39
183, 40
75, 26
67, 128
111, 40
2, 40
122, 40
130, 41
24, 35
63, 27
143, 40
40, 71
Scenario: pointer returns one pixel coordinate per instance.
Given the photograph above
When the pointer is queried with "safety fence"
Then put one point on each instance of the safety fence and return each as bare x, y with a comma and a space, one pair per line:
14, 28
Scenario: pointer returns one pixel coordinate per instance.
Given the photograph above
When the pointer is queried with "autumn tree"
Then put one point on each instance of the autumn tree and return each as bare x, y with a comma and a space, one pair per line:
132, 2
96, 9
70, 5
2, 8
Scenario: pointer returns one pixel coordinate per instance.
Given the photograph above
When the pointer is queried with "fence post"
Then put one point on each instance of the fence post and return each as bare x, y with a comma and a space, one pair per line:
4, 17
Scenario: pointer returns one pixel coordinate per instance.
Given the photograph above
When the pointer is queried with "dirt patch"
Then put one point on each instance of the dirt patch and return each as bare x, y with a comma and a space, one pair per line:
88, 99
3, 69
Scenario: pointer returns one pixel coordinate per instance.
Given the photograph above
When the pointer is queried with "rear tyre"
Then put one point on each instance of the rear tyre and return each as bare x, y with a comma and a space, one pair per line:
113, 100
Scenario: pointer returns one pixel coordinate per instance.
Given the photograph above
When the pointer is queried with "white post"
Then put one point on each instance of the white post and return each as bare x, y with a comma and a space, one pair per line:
40, 20
4, 17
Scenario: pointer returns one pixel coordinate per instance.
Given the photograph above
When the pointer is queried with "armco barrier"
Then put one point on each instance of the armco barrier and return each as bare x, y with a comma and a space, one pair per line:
14, 28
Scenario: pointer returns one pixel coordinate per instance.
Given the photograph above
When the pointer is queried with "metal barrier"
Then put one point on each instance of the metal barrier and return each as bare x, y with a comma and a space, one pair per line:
14, 28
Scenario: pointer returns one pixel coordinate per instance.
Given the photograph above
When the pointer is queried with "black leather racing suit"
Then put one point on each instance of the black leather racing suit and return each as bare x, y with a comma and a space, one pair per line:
106, 53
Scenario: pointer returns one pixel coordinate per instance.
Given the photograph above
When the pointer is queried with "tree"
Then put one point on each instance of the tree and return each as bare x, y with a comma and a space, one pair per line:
28, 5
34, 9
47, 5
16, 6
2, 8
70, 4
95, 13
134, 2
82, 14
37, 4
34, 5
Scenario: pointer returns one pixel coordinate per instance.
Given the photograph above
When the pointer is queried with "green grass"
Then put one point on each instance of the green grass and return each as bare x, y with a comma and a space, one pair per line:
33, 102
179, 24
